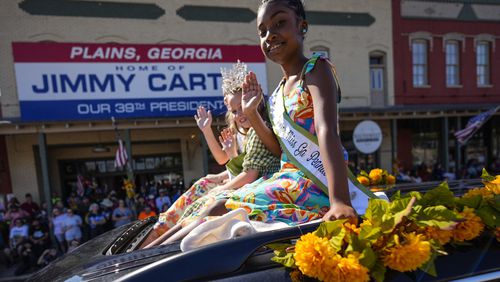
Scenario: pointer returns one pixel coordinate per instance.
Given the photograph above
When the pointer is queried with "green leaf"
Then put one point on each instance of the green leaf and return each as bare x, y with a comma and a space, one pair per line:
438, 213
396, 196
486, 176
378, 271
414, 194
399, 205
440, 195
287, 261
429, 267
437, 216
330, 228
368, 258
489, 216
355, 245
369, 233
387, 223
376, 209
471, 202
363, 173
337, 240
279, 247
495, 202
405, 212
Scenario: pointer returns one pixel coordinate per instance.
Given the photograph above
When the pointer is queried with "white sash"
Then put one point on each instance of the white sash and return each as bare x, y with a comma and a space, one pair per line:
301, 148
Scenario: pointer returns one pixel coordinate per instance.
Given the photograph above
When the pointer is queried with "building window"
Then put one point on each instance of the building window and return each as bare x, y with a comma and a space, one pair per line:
419, 55
452, 63
483, 63
376, 73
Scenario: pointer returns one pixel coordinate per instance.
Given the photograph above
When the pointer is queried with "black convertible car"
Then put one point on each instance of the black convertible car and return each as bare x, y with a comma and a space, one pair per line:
113, 257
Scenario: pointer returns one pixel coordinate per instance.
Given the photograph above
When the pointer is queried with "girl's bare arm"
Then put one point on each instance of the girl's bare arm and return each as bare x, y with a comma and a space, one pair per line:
323, 89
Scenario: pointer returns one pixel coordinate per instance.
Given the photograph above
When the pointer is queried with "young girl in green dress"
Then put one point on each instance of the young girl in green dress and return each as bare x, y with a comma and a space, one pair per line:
254, 162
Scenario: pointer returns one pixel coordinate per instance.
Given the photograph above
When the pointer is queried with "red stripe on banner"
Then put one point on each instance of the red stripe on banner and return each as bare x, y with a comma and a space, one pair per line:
27, 52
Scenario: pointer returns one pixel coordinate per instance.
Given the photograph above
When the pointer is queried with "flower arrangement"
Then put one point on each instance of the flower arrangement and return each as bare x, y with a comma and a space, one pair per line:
129, 187
377, 176
406, 234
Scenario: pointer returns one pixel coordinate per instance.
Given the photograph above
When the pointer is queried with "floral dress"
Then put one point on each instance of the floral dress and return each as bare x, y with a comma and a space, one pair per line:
288, 195
200, 197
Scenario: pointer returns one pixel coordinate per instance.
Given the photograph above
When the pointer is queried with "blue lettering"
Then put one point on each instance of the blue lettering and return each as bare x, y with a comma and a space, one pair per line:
54, 82
126, 82
94, 81
161, 87
197, 79
45, 86
215, 77
177, 82
65, 80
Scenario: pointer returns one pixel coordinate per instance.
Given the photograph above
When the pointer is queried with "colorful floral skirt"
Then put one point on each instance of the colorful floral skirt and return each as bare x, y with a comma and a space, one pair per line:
168, 219
200, 206
287, 196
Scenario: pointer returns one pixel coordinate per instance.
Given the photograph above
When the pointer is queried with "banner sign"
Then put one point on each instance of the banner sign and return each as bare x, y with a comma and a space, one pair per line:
80, 81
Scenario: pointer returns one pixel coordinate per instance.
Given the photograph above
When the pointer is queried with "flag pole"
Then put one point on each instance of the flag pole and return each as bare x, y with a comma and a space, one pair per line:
129, 169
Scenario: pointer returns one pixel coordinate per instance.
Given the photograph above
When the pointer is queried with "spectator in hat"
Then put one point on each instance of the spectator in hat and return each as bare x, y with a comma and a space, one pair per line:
146, 212
107, 209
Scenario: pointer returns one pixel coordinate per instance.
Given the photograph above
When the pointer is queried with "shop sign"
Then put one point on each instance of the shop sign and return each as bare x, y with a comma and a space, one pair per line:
80, 81
367, 136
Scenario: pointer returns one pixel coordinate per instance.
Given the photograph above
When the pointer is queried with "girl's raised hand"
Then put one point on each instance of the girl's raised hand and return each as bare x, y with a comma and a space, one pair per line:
228, 143
252, 94
203, 118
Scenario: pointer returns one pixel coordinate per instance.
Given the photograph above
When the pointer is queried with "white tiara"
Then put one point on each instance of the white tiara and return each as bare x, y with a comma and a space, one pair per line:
233, 78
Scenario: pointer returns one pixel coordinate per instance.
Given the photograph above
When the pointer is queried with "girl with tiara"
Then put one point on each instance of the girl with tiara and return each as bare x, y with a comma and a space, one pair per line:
255, 161
313, 180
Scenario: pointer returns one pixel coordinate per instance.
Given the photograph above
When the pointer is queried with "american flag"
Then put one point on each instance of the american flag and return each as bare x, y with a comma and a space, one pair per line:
80, 189
473, 125
121, 155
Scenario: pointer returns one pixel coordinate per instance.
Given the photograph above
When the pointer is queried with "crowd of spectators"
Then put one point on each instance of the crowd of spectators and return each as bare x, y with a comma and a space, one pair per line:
30, 237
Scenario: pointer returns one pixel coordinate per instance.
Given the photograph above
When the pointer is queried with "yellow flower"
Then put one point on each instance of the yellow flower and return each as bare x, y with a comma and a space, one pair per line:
314, 256
375, 176
470, 228
391, 179
364, 180
414, 252
351, 228
484, 192
350, 269
442, 236
494, 185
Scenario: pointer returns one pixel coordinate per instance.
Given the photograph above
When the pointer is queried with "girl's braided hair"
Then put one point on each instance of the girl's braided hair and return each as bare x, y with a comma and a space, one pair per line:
296, 5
